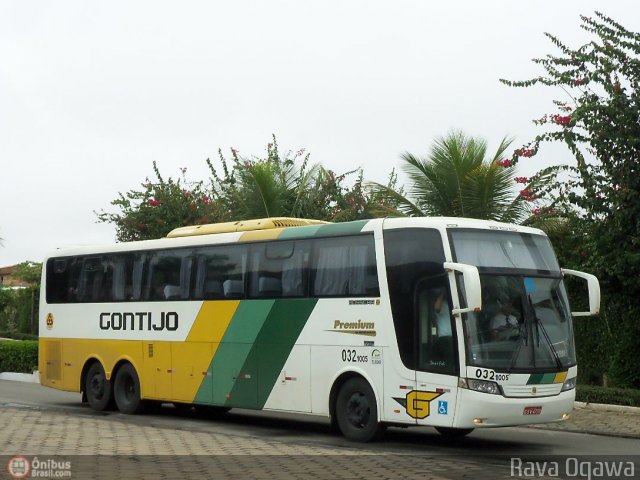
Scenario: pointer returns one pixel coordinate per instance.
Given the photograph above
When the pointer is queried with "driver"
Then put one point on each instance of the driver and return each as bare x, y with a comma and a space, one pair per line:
504, 324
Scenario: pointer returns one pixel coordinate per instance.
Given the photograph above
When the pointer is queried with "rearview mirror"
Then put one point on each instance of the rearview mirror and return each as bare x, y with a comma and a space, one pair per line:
594, 292
472, 288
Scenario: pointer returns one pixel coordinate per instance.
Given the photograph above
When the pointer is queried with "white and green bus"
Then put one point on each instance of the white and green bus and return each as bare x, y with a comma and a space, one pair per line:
445, 322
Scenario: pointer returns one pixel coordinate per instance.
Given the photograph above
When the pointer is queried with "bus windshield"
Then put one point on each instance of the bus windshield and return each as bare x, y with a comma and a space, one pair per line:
525, 322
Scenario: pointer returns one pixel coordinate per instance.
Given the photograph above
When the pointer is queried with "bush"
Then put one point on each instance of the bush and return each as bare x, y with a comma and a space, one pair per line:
19, 356
18, 336
612, 396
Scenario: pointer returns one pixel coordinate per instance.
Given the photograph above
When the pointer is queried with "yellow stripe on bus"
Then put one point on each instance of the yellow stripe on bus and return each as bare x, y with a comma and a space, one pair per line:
560, 377
261, 235
212, 321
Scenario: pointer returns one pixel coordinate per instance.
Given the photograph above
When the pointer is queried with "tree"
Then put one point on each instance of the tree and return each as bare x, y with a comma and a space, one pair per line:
29, 272
242, 188
288, 185
159, 207
457, 179
599, 122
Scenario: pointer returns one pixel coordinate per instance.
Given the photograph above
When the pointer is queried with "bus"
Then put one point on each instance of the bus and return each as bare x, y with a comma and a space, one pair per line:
452, 323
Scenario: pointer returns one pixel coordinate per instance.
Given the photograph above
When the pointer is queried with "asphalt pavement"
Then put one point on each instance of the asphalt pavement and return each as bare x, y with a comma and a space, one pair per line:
44, 425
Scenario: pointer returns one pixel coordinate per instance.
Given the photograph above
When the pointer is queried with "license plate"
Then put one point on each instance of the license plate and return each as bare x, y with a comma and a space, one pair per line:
532, 411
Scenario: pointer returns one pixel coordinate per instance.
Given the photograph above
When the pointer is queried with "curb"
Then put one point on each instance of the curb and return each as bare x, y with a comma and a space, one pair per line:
21, 377
603, 407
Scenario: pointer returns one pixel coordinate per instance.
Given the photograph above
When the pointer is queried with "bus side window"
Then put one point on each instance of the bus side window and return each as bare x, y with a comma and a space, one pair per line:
435, 340
120, 278
92, 281
62, 279
344, 266
137, 272
220, 272
169, 275
278, 270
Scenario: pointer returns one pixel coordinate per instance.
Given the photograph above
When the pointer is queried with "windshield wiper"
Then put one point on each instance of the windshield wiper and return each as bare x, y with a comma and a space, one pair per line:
523, 339
540, 327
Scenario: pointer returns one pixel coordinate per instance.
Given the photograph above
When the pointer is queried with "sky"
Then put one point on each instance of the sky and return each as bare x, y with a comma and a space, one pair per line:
91, 93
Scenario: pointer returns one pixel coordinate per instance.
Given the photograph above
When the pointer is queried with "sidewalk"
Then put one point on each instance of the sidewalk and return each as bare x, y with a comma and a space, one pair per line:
597, 419
96, 447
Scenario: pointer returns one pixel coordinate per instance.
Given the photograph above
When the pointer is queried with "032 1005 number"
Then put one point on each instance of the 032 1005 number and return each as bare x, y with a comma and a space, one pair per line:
485, 374
351, 355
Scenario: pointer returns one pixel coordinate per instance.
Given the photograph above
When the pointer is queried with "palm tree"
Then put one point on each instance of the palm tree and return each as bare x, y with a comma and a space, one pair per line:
457, 179
276, 186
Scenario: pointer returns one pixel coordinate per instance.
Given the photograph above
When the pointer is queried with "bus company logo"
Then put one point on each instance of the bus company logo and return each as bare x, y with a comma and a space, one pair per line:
18, 466
376, 357
49, 321
417, 403
21, 467
356, 328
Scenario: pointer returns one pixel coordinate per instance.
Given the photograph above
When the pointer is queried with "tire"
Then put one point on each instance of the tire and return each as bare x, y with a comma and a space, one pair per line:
454, 432
97, 388
126, 390
357, 411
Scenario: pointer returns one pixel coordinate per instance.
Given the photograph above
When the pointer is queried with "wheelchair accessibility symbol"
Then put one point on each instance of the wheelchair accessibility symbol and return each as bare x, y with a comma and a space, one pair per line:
443, 407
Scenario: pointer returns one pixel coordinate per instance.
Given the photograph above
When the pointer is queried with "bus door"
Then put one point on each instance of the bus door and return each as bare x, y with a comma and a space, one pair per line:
434, 399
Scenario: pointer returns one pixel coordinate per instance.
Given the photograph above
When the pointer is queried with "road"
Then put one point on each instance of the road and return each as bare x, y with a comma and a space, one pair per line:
483, 449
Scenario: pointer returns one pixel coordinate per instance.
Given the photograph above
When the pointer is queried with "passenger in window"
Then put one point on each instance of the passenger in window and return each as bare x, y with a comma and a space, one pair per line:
443, 315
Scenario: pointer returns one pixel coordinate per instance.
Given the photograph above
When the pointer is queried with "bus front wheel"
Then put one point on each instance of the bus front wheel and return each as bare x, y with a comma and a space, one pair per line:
357, 411
97, 388
126, 390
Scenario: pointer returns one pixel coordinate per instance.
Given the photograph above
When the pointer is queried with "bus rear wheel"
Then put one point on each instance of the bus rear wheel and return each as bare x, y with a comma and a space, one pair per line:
126, 390
97, 388
357, 411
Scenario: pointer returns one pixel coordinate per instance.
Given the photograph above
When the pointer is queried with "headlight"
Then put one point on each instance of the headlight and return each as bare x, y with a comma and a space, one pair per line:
569, 384
482, 386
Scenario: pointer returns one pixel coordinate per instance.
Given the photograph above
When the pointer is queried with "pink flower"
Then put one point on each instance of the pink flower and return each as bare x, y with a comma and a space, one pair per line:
505, 162
153, 202
562, 120
528, 195
524, 152
206, 199
521, 179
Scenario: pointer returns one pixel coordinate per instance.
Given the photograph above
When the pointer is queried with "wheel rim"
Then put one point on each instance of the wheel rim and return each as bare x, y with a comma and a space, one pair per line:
96, 386
358, 410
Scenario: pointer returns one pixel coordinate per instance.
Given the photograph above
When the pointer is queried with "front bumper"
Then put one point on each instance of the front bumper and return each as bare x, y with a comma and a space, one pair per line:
499, 411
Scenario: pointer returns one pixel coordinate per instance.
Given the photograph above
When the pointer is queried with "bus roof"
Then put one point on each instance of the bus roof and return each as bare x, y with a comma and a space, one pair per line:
243, 226
281, 228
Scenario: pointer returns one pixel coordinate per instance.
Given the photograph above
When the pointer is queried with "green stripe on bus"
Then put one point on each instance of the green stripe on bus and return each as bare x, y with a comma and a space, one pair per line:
346, 228
330, 229
271, 350
299, 232
535, 379
541, 378
230, 357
